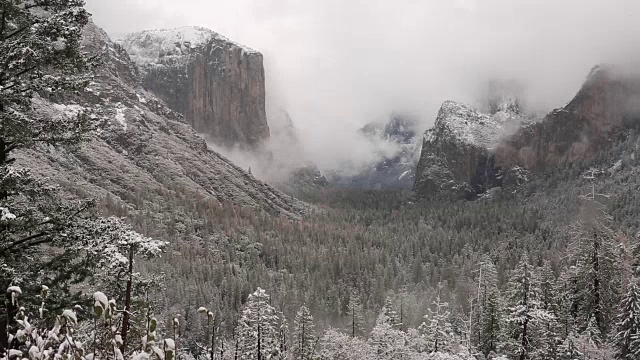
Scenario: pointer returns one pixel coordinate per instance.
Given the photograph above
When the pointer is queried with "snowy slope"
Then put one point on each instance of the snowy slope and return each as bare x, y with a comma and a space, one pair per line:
462, 123
148, 47
145, 153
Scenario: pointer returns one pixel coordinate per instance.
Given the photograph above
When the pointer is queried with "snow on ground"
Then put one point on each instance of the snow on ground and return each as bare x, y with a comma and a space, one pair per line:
120, 118
68, 111
464, 123
148, 46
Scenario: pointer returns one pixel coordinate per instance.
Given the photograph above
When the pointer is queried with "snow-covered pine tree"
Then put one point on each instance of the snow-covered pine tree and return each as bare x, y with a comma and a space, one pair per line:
524, 311
304, 336
355, 314
283, 338
548, 340
258, 329
491, 317
483, 317
390, 314
568, 349
387, 342
597, 260
567, 301
40, 54
335, 345
116, 246
628, 324
438, 331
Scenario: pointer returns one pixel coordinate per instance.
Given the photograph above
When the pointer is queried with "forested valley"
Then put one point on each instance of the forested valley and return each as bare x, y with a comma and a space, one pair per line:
546, 269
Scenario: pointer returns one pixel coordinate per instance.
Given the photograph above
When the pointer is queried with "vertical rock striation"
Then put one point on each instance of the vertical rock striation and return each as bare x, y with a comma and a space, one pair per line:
218, 85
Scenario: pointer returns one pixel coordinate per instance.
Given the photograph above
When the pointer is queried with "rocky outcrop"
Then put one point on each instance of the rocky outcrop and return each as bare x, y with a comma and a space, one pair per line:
467, 153
218, 85
607, 103
145, 155
456, 154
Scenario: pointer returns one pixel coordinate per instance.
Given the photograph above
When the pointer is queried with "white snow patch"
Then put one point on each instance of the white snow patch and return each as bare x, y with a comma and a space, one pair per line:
465, 124
68, 110
141, 99
404, 174
147, 47
6, 215
121, 118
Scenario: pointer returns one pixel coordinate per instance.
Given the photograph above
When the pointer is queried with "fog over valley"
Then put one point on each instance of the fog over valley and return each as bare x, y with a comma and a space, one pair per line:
337, 65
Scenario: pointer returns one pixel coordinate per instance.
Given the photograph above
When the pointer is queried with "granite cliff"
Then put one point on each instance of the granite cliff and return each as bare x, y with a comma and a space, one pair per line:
467, 153
218, 85
145, 155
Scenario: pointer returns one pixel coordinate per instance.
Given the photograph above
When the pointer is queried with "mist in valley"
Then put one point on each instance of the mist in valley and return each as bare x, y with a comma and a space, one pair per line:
336, 66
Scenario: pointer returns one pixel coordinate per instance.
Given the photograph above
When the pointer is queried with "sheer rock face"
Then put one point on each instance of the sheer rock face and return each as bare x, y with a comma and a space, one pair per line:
456, 158
218, 85
607, 103
467, 153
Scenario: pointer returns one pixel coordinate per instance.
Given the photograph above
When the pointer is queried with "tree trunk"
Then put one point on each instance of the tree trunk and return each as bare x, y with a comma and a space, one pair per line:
127, 303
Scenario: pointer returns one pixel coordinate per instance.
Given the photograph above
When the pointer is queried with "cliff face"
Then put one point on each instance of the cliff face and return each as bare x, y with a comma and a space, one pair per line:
456, 158
145, 154
218, 85
608, 102
467, 153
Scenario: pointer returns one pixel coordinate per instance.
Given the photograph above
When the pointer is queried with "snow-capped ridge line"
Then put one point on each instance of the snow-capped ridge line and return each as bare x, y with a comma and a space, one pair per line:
147, 46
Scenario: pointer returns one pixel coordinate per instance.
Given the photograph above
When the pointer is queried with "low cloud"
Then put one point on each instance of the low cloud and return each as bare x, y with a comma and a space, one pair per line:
336, 65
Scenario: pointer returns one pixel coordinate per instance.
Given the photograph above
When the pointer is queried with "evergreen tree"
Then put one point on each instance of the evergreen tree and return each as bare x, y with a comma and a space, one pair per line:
568, 349
629, 322
335, 345
567, 301
304, 336
391, 315
386, 341
355, 313
41, 57
548, 339
486, 316
491, 318
258, 329
438, 331
598, 262
524, 311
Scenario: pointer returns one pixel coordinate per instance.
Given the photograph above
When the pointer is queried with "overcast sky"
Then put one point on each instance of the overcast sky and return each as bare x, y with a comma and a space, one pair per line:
337, 64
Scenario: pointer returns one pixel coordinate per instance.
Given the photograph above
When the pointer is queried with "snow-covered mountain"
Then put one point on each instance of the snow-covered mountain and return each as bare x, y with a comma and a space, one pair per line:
217, 84
467, 152
145, 153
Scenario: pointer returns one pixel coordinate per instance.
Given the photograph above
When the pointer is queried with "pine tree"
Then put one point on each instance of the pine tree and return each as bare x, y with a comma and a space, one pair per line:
304, 336
567, 301
41, 56
628, 324
386, 341
598, 262
491, 319
524, 311
486, 315
354, 311
568, 349
258, 329
548, 339
391, 315
438, 331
